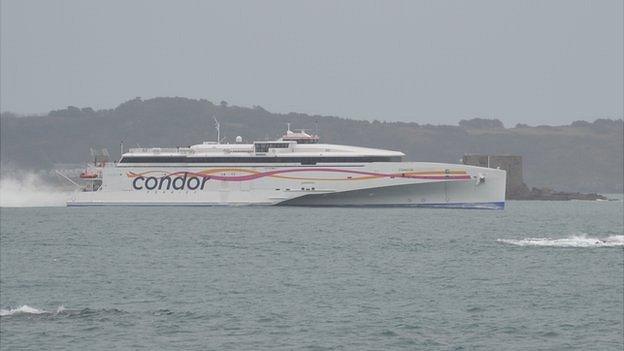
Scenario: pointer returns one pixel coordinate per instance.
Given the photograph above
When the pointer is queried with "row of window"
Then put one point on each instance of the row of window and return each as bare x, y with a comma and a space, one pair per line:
264, 147
301, 160
301, 141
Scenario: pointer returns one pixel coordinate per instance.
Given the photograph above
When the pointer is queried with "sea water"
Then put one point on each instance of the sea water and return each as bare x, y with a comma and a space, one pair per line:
538, 275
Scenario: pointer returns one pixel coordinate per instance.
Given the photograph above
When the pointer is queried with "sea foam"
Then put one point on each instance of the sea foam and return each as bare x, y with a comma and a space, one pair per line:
25, 309
29, 190
571, 241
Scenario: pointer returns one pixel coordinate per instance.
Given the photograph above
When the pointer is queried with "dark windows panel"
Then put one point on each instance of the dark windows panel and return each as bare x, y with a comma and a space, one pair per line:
302, 160
264, 147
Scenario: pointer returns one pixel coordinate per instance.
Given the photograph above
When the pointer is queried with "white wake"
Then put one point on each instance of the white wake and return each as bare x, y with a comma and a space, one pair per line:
25, 309
29, 190
572, 241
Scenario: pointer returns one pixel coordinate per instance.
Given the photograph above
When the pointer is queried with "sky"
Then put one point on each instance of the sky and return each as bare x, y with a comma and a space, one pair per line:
535, 62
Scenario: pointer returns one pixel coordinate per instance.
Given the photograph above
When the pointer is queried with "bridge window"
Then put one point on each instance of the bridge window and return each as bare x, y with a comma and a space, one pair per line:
264, 147
259, 159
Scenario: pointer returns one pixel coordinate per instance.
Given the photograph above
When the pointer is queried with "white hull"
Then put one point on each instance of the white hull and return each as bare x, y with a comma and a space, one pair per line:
367, 184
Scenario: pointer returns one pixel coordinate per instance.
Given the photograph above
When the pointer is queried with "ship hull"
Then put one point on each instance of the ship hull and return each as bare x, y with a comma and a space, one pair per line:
438, 195
413, 184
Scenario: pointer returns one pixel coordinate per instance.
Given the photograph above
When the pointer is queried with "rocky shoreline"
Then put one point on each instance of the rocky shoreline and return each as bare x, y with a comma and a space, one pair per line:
547, 194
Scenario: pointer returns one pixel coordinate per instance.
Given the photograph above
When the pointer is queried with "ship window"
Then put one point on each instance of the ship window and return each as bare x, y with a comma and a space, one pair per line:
259, 159
264, 147
302, 140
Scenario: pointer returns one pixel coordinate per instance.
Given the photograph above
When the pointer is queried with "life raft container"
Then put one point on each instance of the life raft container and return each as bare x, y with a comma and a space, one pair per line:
88, 175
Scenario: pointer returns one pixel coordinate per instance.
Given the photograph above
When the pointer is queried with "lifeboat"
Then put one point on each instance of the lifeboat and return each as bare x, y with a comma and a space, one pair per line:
87, 174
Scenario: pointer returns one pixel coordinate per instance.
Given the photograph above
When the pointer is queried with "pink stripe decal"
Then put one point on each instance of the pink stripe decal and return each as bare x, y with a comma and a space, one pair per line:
368, 175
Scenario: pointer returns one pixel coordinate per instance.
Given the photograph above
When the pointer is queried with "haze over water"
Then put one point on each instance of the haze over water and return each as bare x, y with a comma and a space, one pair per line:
539, 275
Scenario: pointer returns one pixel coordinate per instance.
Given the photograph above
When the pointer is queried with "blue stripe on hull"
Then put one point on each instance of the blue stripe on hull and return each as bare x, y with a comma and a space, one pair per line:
464, 205
479, 205
473, 206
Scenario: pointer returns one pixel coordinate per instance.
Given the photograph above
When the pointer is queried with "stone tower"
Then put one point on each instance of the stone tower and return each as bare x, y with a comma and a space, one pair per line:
510, 163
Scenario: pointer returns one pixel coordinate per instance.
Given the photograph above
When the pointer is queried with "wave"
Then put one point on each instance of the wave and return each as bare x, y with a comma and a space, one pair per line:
61, 311
30, 190
572, 241
25, 309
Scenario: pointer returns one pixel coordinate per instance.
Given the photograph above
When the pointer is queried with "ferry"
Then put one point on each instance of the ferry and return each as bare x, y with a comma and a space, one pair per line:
296, 169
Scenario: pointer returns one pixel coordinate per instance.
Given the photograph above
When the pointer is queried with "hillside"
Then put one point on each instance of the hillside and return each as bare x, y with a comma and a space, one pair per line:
583, 156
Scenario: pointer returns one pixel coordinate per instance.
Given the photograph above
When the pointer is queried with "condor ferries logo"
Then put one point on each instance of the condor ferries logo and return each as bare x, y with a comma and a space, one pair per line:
183, 181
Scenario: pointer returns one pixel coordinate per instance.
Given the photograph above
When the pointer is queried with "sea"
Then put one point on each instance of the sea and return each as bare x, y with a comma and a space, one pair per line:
536, 276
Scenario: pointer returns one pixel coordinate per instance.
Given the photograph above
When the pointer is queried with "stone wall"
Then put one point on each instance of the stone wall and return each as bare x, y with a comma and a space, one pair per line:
510, 163
516, 189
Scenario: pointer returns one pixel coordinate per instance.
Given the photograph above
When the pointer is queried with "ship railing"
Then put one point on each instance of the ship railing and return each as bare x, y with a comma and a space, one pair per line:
164, 150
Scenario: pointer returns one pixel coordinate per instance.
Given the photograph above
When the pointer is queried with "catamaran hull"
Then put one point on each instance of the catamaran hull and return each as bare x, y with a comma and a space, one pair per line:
377, 184
438, 195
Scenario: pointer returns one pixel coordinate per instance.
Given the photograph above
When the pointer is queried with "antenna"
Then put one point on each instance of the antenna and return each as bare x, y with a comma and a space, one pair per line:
218, 126
288, 127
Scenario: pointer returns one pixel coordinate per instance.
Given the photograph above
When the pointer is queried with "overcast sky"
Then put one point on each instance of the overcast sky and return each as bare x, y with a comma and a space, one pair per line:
536, 62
